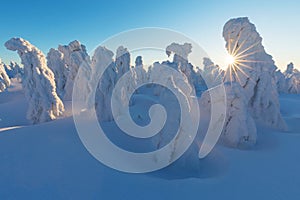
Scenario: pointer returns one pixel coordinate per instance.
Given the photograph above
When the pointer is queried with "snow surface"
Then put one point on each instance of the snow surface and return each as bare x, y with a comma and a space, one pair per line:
48, 161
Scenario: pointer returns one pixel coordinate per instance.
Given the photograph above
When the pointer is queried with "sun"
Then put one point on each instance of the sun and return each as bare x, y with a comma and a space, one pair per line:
238, 59
230, 60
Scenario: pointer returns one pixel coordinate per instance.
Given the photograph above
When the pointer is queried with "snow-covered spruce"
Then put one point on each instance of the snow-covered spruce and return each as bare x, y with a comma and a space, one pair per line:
141, 74
292, 77
294, 84
122, 61
139, 61
38, 83
255, 71
122, 64
166, 98
74, 55
212, 74
290, 70
180, 61
14, 70
4, 79
103, 58
280, 82
289, 80
114, 70
239, 129
55, 61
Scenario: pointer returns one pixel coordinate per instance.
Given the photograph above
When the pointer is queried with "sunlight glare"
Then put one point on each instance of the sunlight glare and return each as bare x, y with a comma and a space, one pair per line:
230, 60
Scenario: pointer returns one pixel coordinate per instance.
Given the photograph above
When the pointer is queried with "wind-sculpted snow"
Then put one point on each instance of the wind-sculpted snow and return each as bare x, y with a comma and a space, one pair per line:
4, 79
254, 70
38, 82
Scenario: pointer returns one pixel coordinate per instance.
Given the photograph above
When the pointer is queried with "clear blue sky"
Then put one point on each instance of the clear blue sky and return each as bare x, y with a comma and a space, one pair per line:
49, 23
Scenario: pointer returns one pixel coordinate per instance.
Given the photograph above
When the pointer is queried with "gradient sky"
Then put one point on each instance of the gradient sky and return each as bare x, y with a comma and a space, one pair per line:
49, 23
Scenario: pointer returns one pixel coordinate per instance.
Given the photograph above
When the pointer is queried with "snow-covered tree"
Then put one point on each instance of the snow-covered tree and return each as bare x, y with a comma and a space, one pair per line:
239, 130
38, 83
139, 72
254, 69
122, 63
212, 73
4, 79
14, 70
101, 59
180, 61
139, 61
289, 80
292, 76
55, 61
180, 86
280, 82
74, 55
294, 84
290, 70
114, 70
